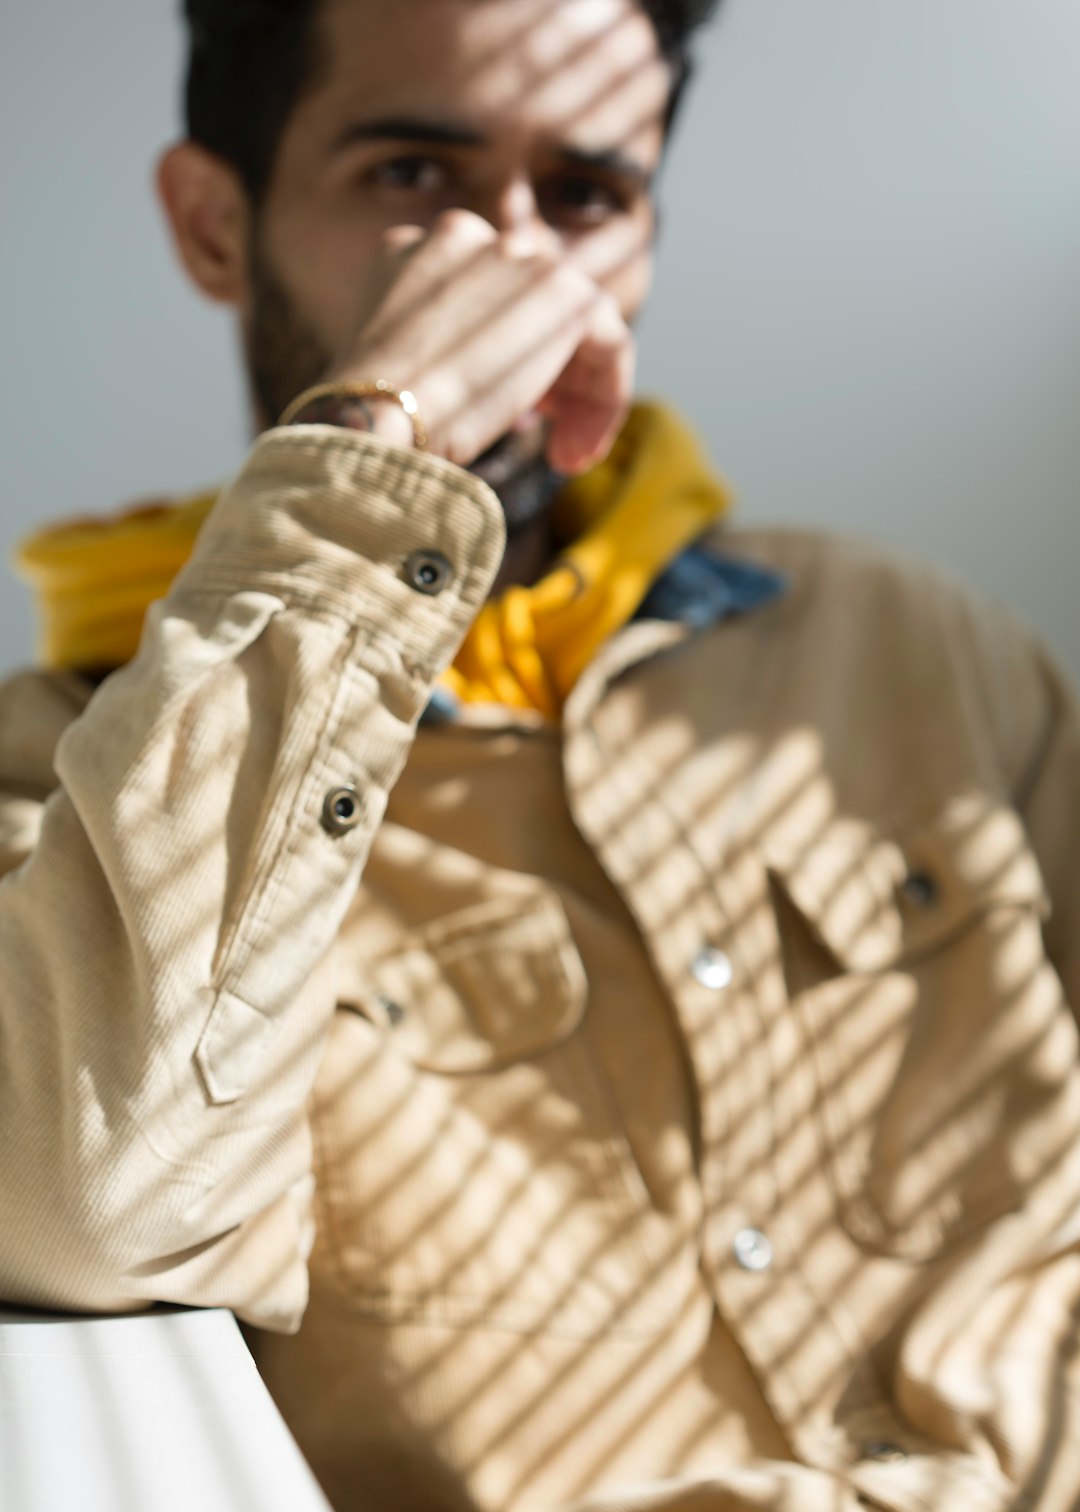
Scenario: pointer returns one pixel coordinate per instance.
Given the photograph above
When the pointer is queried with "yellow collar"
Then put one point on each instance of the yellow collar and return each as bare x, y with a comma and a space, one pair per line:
627, 520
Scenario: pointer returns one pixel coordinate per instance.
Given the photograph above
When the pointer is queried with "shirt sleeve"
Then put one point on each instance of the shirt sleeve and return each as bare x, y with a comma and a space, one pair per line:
1031, 716
1050, 802
164, 987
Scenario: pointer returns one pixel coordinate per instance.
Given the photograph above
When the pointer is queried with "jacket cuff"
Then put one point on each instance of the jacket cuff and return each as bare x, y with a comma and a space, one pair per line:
332, 521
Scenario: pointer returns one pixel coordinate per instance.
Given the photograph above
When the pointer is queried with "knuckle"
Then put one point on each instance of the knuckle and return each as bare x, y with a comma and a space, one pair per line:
576, 283
401, 238
572, 293
608, 323
464, 229
609, 308
463, 445
531, 264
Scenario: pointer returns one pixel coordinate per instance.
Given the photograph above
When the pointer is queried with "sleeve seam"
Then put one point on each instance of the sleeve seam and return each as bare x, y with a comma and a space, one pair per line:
251, 918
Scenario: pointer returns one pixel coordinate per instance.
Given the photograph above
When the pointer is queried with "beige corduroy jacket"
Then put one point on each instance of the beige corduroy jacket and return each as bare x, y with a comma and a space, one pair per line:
676, 1110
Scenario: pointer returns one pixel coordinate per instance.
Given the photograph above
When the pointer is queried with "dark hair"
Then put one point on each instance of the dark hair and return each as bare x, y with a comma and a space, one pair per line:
250, 61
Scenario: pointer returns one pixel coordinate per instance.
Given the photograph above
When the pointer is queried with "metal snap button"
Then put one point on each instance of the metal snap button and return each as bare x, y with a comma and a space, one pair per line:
920, 889
753, 1250
884, 1452
342, 810
395, 1013
713, 969
428, 572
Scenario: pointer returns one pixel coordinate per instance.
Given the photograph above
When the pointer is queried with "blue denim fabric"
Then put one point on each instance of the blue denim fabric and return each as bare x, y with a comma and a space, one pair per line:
703, 587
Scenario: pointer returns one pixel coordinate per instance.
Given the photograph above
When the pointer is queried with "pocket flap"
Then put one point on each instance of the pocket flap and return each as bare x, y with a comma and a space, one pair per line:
481, 987
875, 898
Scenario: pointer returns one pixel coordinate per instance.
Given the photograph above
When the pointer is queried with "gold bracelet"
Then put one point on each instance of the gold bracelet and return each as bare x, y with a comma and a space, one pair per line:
380, 389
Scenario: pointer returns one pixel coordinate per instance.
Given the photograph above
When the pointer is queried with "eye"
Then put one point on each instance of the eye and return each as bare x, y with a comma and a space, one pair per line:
579, 200
413, 173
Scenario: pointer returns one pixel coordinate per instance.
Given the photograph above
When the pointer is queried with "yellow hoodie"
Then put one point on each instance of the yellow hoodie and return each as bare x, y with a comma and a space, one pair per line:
627, 520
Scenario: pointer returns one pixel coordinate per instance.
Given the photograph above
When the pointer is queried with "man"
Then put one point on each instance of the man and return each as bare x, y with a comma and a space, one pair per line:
598, 1009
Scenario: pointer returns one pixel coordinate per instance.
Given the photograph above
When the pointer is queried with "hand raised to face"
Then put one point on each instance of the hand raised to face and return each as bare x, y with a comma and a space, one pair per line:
487, 329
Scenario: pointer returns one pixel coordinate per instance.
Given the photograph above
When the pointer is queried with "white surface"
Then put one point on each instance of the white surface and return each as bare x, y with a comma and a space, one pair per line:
157, 1413
869, 295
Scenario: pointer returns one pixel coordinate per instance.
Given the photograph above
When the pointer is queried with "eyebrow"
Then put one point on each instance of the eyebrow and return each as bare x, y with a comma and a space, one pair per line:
610, 160
409, 129
449, 134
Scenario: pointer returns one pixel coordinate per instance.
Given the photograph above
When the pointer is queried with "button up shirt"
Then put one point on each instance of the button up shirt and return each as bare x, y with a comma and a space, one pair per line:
677, 1109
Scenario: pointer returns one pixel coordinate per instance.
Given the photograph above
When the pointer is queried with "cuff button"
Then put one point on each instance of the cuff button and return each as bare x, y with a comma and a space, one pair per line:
342, 810
884, 1452
428, 572
920, 890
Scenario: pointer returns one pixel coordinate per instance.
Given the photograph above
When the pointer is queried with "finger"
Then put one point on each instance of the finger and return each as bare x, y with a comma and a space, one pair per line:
588, 404
421, 266
403, 238
421, 262
521, 334
564, 339
455, 239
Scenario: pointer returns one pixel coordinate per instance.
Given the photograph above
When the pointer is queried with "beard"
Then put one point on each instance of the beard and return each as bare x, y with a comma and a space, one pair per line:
285, 356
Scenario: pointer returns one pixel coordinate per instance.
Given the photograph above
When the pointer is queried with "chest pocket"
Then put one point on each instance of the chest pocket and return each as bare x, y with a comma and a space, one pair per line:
470, 1167
944, 1052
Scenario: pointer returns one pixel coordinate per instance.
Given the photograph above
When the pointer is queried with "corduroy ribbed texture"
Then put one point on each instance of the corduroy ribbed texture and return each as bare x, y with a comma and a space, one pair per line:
790, 1225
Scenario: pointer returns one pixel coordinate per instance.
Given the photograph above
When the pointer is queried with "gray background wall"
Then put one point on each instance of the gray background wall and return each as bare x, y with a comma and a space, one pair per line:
869, 300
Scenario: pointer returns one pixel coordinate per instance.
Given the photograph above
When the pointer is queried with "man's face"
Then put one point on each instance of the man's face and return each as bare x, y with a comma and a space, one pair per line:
546, 117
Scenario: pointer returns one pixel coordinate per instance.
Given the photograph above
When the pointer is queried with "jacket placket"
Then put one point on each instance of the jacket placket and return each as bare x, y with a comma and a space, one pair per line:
695, 878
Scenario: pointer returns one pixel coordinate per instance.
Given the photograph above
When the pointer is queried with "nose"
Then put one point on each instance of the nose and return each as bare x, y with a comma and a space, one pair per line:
512, 209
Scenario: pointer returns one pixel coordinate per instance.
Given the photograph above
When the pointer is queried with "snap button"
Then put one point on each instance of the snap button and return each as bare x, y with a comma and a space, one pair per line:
713, 969
920, 889
428, 572
884, 1452
342, 810
395, 1013
753, 1250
